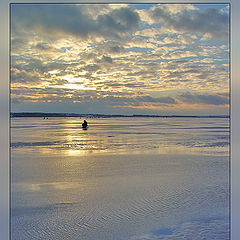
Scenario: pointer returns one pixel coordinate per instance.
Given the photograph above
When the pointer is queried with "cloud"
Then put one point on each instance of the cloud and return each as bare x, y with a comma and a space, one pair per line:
24, 77
61, 94
212, 99
172, 8
210, 21
106, 59
114, 52
135, 101
166, 100
35, 66
109, 46
43, 46
91, 67
180, 54
61, 20
117, 21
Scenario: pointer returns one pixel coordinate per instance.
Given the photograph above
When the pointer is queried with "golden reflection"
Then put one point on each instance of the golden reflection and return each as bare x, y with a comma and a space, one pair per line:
46, 186
75, 152
73, 141
77, 142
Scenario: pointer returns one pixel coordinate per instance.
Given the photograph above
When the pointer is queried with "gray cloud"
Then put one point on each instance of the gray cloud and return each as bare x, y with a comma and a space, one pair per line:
72, 19
211, 21
116, 49
106, 48
24, 77
18, 43
43, 46
107, 59
35, 69
142, 73
91, 67
117, 21
117, 84
213, 99
182, 74
167, 100
27, 94
134, 101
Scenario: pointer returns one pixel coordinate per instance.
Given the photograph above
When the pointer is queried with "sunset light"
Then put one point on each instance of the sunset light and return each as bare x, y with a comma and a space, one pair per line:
93, 52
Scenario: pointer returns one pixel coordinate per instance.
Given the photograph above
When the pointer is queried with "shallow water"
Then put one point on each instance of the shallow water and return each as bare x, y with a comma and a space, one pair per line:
123, 178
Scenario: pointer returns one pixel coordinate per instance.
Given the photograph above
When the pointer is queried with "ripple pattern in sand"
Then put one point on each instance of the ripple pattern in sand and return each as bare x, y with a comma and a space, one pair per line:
154, 205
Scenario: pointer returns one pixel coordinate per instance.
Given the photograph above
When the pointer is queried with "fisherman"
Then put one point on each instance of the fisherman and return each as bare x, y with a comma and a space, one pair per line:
85, 124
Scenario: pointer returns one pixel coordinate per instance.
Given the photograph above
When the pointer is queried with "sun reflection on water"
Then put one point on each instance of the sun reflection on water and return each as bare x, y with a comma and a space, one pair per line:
65, 136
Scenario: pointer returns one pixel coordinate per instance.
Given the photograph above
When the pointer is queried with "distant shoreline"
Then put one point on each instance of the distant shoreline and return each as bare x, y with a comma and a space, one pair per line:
42, 114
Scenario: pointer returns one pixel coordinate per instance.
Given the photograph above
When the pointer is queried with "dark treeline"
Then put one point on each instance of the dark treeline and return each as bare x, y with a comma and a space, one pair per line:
42, 114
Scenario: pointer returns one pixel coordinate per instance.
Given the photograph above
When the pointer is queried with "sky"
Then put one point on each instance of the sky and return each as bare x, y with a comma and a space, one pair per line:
120, 58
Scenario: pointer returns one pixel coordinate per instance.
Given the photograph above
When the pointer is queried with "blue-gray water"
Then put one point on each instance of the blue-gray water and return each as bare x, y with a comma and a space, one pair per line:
122, 179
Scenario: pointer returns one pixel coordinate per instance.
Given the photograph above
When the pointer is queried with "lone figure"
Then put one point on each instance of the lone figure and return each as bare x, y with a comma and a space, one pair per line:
85, 124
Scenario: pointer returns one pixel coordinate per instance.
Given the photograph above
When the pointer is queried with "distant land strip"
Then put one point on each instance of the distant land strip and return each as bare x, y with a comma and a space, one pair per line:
93, 115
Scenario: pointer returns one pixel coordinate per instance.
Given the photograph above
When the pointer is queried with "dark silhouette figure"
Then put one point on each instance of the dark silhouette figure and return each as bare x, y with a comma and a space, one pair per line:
85, 124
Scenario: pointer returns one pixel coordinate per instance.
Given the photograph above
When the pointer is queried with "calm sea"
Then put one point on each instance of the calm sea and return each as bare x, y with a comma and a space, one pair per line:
121, 179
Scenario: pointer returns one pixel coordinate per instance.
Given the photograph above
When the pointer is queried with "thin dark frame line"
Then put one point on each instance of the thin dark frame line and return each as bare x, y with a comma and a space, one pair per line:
230, 121
10, 134
111, 3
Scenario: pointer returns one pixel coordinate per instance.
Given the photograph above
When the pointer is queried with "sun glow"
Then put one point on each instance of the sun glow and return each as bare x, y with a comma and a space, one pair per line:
55, 71
77, 87
72, 79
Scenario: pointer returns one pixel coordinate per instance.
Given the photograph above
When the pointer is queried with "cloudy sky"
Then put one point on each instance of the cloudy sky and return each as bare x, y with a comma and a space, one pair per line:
120, 58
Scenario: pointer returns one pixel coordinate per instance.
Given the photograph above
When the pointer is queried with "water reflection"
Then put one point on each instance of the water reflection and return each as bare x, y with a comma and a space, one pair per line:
110, 192
29, 187
117, 136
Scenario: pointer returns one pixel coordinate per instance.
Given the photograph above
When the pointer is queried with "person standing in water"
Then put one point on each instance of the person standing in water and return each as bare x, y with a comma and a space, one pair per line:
85, 124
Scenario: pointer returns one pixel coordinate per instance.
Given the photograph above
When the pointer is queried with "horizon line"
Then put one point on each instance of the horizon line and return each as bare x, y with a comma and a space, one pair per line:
64, 114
